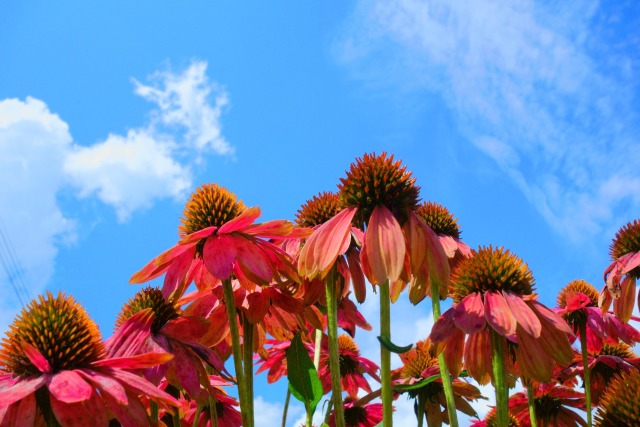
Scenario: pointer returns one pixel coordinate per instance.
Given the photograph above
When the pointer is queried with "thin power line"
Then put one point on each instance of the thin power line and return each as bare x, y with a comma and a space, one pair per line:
12, 266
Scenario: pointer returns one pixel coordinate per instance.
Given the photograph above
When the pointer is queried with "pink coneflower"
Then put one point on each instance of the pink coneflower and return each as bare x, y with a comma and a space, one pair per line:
553, 405
619, 404
54, 366
225, 410
491, 420
368, 415
621, 275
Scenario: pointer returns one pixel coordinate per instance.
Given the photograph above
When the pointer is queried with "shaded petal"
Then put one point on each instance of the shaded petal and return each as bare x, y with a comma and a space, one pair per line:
523, 314
453, 351
246, 218
632, 262
414, 230
131, 334
131, 415
185, 370
21, 414
106, 384
555, 342
477, 356
437, 261
35, 357
469, 313
219, 254
357, 277
623, 306
533, 361
174, 285
91, 411
385, 245
196, 236
443, 326
143, 386
498, 313
208, 356
21, 389
69, 387
551, 316
186, 328
253, 262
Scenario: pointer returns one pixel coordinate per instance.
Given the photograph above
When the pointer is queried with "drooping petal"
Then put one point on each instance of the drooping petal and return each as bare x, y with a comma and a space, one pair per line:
185, 369
443, 326
449, 245
35, 357
623, 306
416, 242
469, 313
498, 313
523, 314
357, 277
142, 386
246, 218
454, 350
437, 261
91, 411
69, 387
21, 389
174, 281
632, 262
21, 414
253, 262
219, 254
186, 328
131, 415
106, 384
533, 360
209, 356
385, 246
477, 356
139, 361
276, 229
555, 342
551, 316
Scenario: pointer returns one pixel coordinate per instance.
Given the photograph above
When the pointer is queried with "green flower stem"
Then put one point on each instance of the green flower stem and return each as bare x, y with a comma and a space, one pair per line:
385, 356
155, 418
532, 405
334, 364
420, 411
500, 378
213, 410
247, 347
286, 408
235, 346
447, 384
587, 371
197, 417
327, 414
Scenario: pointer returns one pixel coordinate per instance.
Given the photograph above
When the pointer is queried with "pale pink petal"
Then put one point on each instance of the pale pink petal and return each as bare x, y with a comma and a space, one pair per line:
623, 306
449, 245
69, 387
385, 246
498, 314
20, 414
276, 229
186, 328
35, 357
174, 281
525, 317
219, 254
242, 221
21, 389
106, 384
469, 314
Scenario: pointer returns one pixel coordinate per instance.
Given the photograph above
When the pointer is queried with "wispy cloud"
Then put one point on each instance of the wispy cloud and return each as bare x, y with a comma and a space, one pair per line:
548, 92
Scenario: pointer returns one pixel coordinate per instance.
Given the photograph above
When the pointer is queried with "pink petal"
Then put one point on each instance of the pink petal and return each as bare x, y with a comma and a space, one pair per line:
131, 334
143, 386
242, 221
174, 285
186, 328
552, 317
253, 262
36, 357
131, 415
533, 361
576, 301
469, 313
139, 361
69, 387
21, 389
209, 356
20, 414
357, 277
498, 313
623, 306
196, 236
106, 384
443, 326
631, 263
91, 411
417, 245
437, 261
271, 229
385, 246
525, 317
149, 272
185, 369
449, 245
219, 255
477, 356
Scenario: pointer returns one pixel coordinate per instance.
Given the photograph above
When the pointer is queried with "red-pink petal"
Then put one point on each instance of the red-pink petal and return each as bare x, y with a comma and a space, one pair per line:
533, 361
385, 246
106, 384
143, 386
357, 277
35, 357
196, 236
469, 313
91, 411
174, 281
69, 387
185, 369
551, 316
498, 314
443, 326
631, 263
253, 262
437, 261
21, 389
477, 356
417, 244
323, 247
131, 415
276, 229
131, 335
21, 414
219, 254
246, 218
139, 361
623, 306
525, 317
186, 328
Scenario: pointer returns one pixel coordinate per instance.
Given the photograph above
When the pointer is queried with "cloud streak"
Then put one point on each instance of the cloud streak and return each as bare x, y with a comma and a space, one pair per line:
548, 92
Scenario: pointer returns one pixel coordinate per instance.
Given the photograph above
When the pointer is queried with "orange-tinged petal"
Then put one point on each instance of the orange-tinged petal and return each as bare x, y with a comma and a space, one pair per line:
196, 236
551, 316
357, 277
242, 221
533, 361
443, 326
416, 242
219, 254
385, 246
331, 239
498, 314
174, 281
69, 387
623, 306
449, 245
139, 361
453, 351
395, 288
35, 357
437, 261
477, 356
469, 314
253, 262
149, 272
525, 317
555, 342
418, 288
276, 229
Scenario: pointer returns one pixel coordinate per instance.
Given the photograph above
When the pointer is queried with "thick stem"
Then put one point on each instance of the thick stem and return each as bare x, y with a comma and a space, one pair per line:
235, 346
500, 378
334, 363
587, 371
385, 356
445, 375
286, 408
532, 405
247, 347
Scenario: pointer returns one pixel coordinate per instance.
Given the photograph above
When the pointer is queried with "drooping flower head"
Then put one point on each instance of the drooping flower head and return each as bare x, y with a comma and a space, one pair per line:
54, 350
621, 275
493, 291
554, 406
619, 406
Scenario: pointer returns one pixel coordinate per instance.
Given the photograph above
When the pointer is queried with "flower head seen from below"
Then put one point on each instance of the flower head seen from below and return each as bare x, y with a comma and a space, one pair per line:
54, 366
619, 406
491, 420
554, 405
493, 291
621, 275
219, 238
318, 210
368, 415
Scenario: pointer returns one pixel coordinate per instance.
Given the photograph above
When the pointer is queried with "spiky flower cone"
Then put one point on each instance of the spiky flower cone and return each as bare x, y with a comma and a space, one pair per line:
318, 210
210, 205
619, 406
151, 298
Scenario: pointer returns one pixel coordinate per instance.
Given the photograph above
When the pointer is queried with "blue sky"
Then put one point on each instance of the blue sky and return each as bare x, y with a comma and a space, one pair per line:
520, 117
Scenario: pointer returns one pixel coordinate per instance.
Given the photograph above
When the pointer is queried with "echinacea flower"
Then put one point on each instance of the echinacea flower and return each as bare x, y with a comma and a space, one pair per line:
219, 238
493, 291
368, 415
54, 364
619, 406
171, 332
352, 367
225, 408
491, 420
420, 363
621, 275
554, 406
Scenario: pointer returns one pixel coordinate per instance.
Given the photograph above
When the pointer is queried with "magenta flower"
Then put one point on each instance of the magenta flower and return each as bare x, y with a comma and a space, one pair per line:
368, 415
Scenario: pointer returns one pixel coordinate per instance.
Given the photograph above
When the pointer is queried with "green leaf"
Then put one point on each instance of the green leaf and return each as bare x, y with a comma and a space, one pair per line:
303, 378
421, 383
386, 343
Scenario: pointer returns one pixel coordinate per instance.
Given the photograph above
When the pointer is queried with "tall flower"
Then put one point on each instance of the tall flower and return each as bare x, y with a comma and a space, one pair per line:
553, 404
54, 364
621, 275
493, 293
619, 405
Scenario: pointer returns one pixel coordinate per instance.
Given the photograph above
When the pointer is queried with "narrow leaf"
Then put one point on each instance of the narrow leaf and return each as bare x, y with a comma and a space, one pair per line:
386, 343
303, 378
421, 383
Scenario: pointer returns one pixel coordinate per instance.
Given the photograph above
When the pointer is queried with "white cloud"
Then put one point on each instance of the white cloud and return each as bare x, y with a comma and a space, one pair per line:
267, 414
541, 89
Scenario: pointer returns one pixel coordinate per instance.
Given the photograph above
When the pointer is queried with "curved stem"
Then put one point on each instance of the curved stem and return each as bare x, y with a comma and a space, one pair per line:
286, 408
385, 356
587, 371
445, 375
247, 347
532, 405
334, 364
235, 346
500, 378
